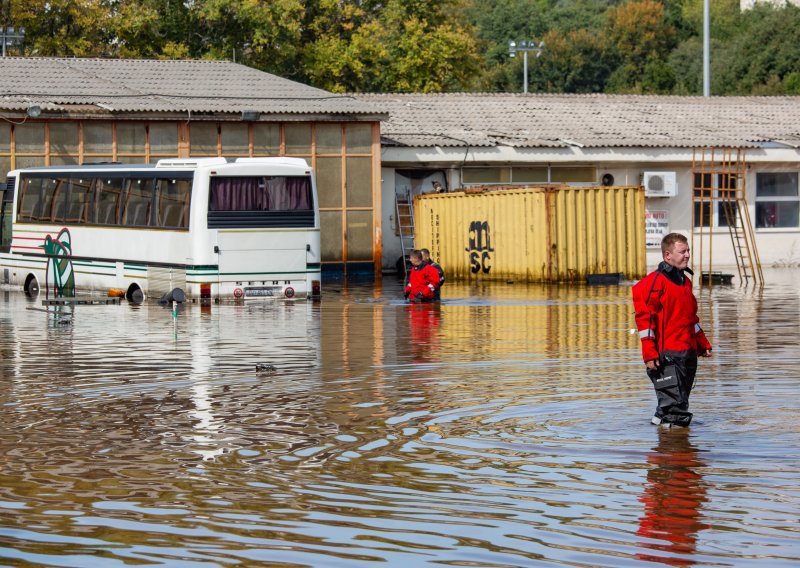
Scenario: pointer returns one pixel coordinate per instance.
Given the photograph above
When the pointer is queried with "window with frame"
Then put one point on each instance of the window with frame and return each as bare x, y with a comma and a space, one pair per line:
719, 189
777, 200
520, 175
138, 202
258, 201
108, 199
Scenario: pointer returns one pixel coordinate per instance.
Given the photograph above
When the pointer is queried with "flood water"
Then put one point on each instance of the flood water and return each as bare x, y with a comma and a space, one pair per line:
508, 426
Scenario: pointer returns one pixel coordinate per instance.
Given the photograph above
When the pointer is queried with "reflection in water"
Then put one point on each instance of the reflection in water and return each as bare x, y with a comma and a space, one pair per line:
507, 425
672, 500
205, 426
424, 321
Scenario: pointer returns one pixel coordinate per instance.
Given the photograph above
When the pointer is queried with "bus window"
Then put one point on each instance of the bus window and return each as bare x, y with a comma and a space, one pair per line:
246, 202
172, 209
280, 193
138, 202
40, 193
29, 190
237, 194
58, 204
78, 200
289, 193
108, 192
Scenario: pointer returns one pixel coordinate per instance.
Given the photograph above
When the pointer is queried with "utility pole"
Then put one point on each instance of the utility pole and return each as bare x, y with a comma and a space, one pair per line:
706, 49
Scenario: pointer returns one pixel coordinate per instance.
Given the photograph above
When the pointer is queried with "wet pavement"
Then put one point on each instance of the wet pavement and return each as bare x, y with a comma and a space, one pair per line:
508, 426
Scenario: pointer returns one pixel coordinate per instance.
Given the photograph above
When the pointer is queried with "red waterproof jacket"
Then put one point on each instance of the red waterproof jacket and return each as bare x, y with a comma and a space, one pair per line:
666, 315
423, 280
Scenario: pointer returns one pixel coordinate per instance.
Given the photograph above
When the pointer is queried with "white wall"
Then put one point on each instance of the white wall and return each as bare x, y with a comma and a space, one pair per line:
775, 246
391, 243
747, 4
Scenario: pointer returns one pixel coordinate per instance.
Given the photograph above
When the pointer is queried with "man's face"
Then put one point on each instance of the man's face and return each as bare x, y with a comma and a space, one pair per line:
678, 255
415, 261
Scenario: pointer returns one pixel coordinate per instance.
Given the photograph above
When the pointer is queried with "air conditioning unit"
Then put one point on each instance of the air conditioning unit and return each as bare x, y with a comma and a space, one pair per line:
660, 184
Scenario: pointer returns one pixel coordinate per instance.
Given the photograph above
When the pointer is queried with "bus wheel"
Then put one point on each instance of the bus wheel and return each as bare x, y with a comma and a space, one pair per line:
134, 294
31, 285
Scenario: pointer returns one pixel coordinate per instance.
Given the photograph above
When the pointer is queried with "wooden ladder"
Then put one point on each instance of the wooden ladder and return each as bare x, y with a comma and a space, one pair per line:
719, 178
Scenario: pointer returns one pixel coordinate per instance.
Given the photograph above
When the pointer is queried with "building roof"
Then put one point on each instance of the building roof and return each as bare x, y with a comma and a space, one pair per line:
161, 86
592, 121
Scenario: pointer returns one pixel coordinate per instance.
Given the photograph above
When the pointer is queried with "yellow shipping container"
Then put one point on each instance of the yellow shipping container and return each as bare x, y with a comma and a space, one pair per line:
536, 234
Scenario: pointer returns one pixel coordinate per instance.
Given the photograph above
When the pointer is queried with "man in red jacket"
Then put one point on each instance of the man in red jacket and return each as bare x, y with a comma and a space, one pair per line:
666, 315
423, 280
426, 257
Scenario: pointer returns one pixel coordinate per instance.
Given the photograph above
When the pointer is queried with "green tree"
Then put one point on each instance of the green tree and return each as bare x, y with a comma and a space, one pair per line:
762, 54
102, 28
640, 39
686, 61
792, 83
135, 28
407, 46
573, 15
572, 62
496, 23
724, 21
65, 27
266, 35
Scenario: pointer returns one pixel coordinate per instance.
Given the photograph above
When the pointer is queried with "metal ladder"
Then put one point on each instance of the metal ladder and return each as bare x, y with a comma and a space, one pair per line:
404, 219
743, 240
728, 164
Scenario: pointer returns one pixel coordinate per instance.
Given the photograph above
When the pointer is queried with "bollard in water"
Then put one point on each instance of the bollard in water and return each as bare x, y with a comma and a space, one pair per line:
174, 295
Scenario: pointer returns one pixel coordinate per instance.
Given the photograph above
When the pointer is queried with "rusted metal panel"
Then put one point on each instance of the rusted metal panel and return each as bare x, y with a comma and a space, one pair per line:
598, 230
535, 234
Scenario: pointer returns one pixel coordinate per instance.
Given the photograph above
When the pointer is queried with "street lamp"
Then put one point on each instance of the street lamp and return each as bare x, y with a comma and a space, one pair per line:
525, 46
12, 37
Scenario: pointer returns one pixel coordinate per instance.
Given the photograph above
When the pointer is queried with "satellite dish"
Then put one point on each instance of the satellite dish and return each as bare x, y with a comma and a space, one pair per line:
607, 179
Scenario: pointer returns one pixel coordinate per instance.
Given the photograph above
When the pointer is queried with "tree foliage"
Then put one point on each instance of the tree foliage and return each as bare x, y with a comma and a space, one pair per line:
639, 38
622, 46
406, 46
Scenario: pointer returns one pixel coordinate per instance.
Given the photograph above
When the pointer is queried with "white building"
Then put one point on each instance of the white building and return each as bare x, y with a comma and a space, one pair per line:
462, 140
747, 4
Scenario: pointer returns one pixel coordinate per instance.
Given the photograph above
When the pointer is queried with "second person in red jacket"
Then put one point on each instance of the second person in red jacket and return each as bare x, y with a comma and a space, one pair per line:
423, 279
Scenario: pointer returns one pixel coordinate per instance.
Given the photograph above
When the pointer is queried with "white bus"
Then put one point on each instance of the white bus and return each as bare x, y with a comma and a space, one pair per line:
215, 229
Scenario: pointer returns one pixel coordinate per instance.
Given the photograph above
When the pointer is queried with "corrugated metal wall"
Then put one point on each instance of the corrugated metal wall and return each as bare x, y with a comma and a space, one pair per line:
535, 234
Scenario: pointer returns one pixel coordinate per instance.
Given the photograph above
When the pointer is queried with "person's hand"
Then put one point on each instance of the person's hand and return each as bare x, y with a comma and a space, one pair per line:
652, 364
419, 295
705, 353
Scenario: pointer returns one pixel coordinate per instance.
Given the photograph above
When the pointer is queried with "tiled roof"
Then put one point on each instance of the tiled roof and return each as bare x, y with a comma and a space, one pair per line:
592, 121
169, 86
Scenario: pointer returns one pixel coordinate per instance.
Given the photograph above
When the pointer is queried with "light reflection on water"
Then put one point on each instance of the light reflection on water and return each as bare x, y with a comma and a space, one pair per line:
507, 426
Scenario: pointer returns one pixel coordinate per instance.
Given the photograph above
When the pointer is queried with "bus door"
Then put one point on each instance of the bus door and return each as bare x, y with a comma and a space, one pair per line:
6, 201
260, 260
